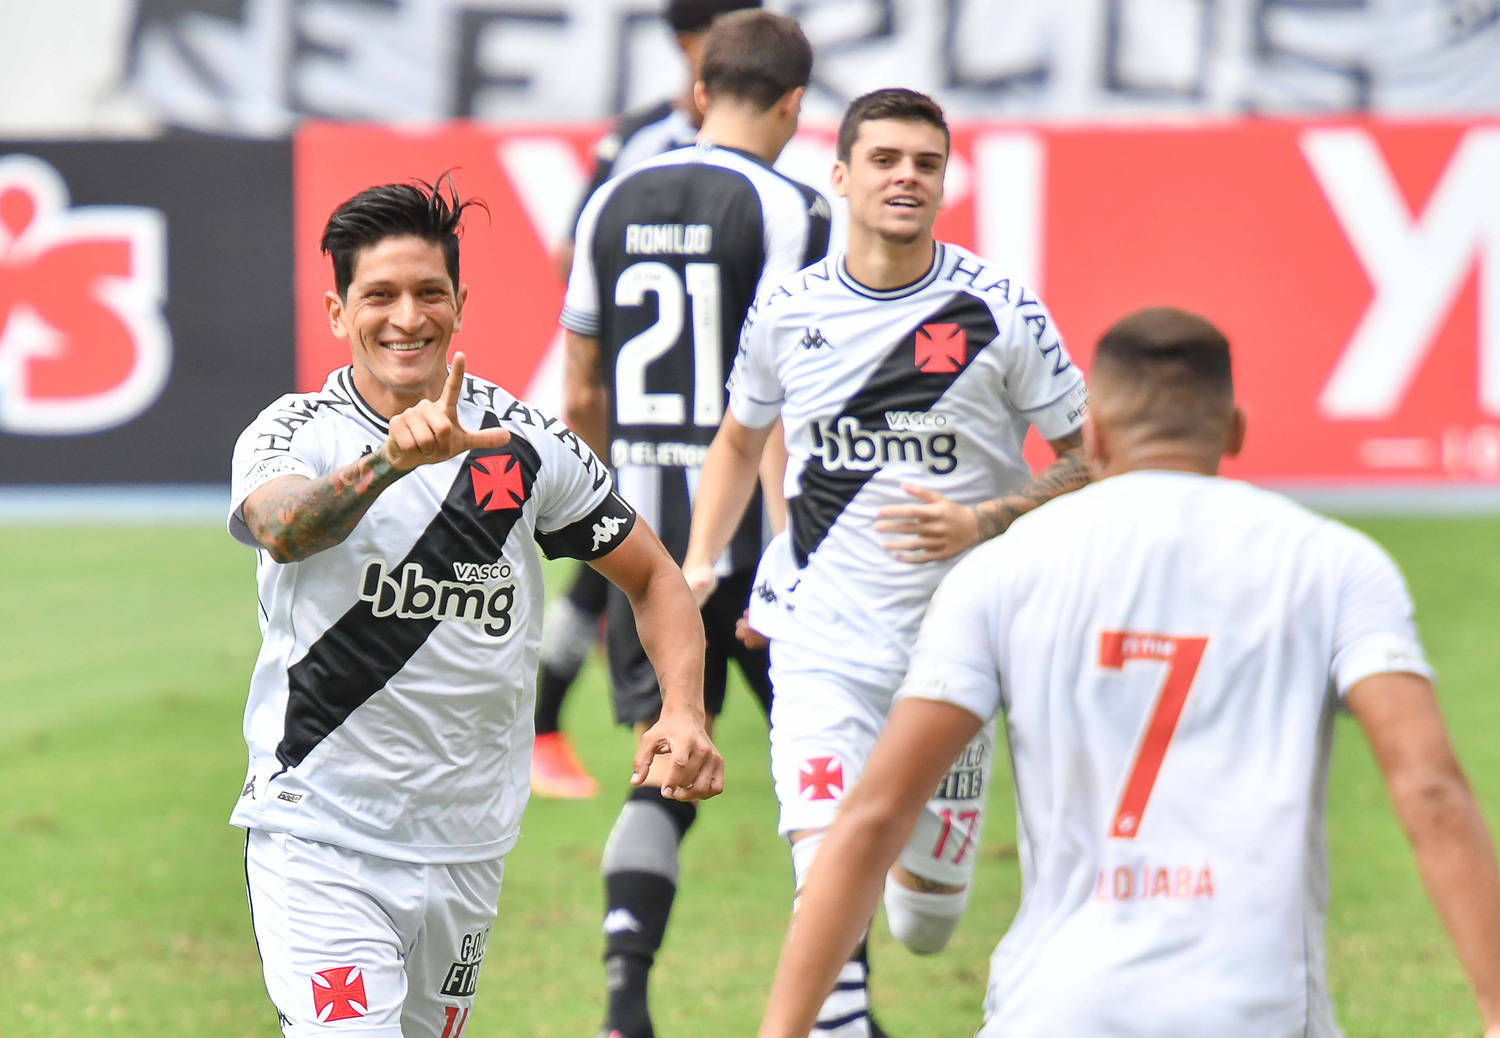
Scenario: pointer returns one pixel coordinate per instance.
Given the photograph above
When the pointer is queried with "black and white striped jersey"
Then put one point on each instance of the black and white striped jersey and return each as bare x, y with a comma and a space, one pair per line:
390, 708
932, 384
669, 258
636, 137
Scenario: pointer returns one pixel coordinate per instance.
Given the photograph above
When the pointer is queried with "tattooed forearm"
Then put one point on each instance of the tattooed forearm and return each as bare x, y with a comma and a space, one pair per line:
294, 519
1069, 472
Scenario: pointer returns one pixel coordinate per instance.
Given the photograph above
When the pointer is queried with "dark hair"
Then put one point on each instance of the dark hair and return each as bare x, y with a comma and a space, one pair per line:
1167, 368
890, 103
756, 56
418, 208
697, 15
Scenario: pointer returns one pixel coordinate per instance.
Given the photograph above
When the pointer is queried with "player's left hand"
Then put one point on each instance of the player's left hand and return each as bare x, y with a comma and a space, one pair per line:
935, 529
677, 751
748, 636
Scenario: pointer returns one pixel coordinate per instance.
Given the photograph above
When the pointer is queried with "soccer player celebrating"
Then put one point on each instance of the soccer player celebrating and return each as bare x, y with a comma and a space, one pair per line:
906, 371
572, 620
397, 514
669, 258
1169, 650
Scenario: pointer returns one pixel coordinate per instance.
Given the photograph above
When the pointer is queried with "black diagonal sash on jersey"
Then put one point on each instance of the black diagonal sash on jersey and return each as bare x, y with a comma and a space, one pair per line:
897, 384
359, 654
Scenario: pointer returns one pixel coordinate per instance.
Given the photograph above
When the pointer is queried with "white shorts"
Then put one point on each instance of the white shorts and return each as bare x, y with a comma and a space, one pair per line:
824, 723
355, 944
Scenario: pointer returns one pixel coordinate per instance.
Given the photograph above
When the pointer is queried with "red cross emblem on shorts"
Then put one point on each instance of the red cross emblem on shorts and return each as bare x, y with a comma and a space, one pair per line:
497, 482
341, 991
823, 776
941, 348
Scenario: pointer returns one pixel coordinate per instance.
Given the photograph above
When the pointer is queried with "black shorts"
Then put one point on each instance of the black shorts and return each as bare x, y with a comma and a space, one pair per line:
632, 679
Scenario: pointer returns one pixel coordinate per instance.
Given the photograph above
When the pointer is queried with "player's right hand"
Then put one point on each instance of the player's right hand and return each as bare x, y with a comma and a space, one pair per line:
428, 431
700, 580
677, 754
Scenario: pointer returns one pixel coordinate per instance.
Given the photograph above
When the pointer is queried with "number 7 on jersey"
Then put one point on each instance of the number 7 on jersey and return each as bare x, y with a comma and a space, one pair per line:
1182, 656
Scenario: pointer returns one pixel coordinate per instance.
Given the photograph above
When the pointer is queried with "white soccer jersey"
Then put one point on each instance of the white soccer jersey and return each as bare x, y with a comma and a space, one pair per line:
1168, 650
390, 708
933, 384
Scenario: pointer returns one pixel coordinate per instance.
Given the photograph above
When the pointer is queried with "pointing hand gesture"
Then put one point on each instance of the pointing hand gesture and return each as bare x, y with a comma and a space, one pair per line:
428, 431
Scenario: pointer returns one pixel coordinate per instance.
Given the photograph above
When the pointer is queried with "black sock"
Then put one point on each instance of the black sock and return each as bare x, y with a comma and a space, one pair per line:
640, 883
551, 687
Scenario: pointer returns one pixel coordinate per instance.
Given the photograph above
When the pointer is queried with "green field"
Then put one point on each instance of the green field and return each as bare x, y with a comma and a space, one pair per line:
122, 908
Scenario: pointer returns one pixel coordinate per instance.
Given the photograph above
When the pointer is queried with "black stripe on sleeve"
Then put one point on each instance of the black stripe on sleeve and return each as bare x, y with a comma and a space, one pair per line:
357, 656
598, 533
897, 384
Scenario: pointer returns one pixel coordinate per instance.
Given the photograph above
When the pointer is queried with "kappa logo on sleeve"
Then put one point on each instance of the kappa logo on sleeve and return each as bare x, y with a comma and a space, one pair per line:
821, 778
339, 994
941, 348
497, 482
84, 345
605, 529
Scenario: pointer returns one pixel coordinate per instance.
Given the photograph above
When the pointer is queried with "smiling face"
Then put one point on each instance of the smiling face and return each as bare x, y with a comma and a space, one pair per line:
893, 180
399, 315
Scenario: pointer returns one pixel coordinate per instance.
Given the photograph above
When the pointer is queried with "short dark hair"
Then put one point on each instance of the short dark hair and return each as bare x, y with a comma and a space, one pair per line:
890, 103
697, 15
756, 56
385, 211
1165, 368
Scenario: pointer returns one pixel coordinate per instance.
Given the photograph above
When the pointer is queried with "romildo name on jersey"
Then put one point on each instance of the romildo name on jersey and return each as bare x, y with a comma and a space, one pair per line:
414, 596
911, 439
669, 239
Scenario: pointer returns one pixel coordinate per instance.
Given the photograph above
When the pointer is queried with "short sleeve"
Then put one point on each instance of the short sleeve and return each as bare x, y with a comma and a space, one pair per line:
1042, 382
280, 442
580, 312
954, 660
1374, 631
755, 393
579, 515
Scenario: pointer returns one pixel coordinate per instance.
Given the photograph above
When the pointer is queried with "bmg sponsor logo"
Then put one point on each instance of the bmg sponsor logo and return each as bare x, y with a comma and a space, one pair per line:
414, 596
849, 446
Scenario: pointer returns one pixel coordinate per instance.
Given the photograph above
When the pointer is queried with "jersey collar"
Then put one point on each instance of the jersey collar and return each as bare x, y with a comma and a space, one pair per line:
938, 256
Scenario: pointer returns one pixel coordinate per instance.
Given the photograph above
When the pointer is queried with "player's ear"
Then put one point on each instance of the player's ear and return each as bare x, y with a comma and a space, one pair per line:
791, 103
1236, 440
700, 96
458, 308
840, 179
1095, 444
334, 304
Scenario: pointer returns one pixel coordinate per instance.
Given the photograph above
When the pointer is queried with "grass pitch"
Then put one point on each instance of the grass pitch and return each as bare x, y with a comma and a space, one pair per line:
122, 909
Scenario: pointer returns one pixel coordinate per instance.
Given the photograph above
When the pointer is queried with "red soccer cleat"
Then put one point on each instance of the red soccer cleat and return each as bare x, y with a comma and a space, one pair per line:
557, 772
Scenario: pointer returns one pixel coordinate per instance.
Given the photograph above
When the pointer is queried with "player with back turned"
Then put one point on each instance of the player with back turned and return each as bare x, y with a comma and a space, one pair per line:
1169, 650
669, 258
396, 516
571, 624
906, 372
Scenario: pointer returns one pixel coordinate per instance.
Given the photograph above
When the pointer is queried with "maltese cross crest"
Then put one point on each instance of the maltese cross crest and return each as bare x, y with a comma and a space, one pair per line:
339, 994
497, 482
821, 778
941, 348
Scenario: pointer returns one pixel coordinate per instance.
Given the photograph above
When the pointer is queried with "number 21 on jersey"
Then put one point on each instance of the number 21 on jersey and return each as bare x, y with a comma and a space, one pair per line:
694, 294
1181, 656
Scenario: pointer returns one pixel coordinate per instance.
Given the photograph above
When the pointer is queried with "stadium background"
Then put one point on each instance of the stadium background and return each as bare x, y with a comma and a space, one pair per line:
1318, 177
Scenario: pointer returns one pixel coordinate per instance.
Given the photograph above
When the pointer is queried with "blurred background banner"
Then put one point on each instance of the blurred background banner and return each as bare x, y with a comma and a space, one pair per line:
145, 306
1355, 265
1317, 175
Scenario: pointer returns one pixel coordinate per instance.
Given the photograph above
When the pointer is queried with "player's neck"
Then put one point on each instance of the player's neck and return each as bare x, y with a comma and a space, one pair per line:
730, 126
1164, 459
882, 264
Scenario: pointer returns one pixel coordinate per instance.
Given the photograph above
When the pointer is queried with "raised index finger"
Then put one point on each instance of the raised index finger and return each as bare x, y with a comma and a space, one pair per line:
449, 399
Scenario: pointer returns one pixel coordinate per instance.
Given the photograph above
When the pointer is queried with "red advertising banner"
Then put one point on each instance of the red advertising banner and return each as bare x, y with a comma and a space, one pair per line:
1354, 265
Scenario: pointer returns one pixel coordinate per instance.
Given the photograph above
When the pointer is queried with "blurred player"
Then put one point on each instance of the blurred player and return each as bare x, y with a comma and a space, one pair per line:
1169, 650
669, 258
397, 515
905, 370
572, 620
